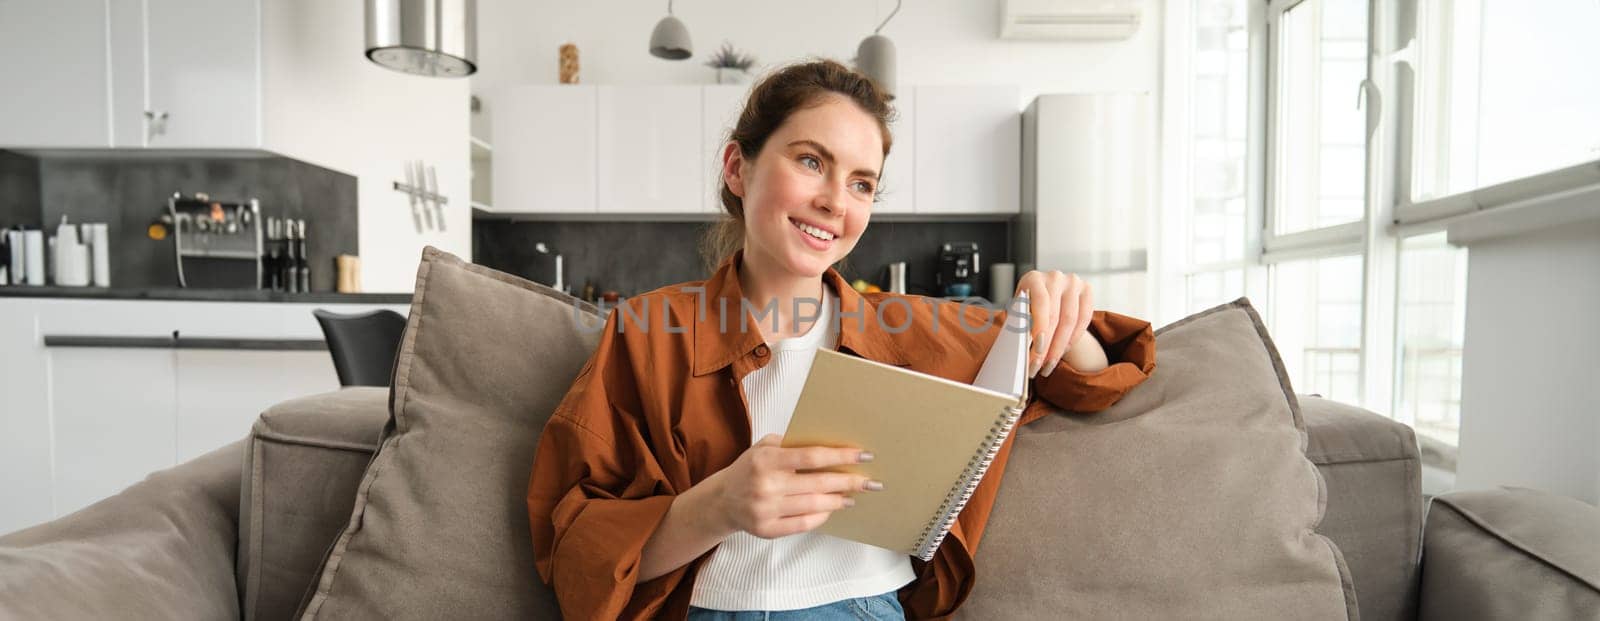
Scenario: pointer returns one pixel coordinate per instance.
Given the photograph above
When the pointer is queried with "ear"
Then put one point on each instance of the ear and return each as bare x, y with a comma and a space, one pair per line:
733, 168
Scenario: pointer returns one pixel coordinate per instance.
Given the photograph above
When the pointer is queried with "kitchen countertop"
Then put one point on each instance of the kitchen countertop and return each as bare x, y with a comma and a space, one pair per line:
202, 295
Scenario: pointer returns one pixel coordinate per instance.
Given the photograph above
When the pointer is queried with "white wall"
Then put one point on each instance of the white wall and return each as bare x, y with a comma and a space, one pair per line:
1530, 396
938, 42
329, 105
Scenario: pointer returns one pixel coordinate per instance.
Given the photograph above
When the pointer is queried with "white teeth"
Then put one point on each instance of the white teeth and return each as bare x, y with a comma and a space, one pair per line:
814, 231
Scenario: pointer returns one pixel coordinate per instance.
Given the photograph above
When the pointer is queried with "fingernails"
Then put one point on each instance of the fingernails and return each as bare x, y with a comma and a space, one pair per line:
865, 457
873, 486
1047, 369
849, 502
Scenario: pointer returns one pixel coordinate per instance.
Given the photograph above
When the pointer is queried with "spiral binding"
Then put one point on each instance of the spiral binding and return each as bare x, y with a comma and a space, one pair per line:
939, 526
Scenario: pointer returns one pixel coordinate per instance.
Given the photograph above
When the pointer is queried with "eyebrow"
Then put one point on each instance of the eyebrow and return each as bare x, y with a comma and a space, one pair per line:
828, 155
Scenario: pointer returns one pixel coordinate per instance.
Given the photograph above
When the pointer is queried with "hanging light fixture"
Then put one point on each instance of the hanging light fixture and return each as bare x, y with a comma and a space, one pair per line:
875, 57
670, 40
436, 38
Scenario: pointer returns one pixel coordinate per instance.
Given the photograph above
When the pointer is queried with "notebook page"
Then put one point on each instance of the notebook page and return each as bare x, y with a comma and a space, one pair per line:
1005, 369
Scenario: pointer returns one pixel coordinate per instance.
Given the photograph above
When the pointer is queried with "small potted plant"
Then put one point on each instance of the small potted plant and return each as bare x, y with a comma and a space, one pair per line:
733, 66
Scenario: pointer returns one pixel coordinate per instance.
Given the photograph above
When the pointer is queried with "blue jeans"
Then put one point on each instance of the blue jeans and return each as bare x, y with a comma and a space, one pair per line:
875, 608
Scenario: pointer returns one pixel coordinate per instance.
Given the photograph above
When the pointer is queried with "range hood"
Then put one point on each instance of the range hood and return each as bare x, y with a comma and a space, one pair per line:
435, 38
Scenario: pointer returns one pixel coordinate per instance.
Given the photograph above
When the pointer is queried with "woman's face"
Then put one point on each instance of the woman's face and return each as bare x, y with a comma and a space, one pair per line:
808, 194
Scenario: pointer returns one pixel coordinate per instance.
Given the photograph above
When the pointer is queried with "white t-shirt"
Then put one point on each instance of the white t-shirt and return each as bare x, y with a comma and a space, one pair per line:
804, 570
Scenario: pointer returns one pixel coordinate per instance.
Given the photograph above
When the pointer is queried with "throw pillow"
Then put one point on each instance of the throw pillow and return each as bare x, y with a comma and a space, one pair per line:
1191, 498
440, 527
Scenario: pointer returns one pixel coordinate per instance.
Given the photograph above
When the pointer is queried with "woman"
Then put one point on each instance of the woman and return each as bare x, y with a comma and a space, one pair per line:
660, 488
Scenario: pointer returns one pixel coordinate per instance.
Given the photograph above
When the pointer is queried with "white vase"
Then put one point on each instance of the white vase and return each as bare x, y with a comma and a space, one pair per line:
728, 75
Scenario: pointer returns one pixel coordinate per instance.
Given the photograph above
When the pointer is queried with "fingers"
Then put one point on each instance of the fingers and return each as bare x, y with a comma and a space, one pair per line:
1065, 333
1046, 305
803, 504
830, 482
813, 457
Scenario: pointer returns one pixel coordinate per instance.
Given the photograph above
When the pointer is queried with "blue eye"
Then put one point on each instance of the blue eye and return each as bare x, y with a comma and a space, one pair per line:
863, 187
813, 163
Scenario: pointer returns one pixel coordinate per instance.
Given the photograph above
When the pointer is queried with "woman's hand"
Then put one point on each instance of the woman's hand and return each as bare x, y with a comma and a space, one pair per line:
762, 494
1060, 306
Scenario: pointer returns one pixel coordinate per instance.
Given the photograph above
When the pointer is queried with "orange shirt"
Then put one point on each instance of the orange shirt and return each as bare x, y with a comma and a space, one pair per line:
660, 406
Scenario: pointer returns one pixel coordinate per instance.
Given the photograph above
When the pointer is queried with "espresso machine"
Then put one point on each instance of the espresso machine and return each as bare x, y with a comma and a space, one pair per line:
207, 234
958, 269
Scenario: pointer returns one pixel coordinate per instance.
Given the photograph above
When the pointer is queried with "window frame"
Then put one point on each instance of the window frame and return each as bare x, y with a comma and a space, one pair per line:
1411, 217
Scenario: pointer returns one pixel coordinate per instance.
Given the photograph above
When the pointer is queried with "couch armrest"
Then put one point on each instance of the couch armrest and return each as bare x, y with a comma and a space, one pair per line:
1373, 473
305, 460
161, 549
1510, 553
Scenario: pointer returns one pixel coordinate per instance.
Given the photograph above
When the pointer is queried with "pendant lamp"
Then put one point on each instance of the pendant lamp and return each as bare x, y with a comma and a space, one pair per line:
670, 40
875, 57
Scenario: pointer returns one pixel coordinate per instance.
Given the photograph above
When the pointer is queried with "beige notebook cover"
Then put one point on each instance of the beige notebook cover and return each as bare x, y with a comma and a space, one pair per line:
932, 438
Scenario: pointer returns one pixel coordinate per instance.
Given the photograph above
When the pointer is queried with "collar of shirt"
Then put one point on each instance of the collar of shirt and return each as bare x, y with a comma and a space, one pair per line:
720, 338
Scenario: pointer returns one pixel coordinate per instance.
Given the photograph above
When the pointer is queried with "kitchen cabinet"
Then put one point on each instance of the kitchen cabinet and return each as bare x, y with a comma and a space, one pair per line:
220, 393
202, 77
656, 150
719, 113
153, 73
545, 149
897, 182
82, 423
56, 76
648, 157
968, 150
112, 418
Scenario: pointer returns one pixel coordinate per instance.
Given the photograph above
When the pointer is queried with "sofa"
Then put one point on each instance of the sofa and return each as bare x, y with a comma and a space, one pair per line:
170, 546
1209, 491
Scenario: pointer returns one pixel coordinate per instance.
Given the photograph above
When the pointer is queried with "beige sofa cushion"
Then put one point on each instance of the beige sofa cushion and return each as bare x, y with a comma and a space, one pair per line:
304, 460
440, 527
1373, 472
1510, 553
1191, 498
161, 549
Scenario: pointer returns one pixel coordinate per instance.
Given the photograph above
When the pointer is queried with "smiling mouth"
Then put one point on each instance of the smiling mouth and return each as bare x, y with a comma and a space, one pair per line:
813, 231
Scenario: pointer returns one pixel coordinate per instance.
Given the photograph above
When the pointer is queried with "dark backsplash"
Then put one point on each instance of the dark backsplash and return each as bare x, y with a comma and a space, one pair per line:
634, 257
19, 190
129, 193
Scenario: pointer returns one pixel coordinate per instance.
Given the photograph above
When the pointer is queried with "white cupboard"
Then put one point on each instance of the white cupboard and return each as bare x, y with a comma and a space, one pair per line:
897, 183
56, 74
648, 149
544, 156
719, 113
81, 423
203, 76
968, 150
149, 73
652, 150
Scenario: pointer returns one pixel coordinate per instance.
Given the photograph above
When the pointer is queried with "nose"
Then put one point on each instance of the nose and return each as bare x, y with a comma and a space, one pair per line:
829, 199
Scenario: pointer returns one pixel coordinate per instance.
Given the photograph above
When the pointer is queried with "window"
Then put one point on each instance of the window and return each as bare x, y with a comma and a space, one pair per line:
1315, 315
1505, 90
1219, 223
1432, 305
1218, 242
1317, 131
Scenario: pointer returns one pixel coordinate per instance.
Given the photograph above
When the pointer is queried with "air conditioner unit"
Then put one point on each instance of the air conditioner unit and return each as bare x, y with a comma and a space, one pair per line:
1070, 20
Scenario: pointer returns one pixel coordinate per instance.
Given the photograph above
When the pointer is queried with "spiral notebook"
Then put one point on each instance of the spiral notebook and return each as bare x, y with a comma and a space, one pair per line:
933, 438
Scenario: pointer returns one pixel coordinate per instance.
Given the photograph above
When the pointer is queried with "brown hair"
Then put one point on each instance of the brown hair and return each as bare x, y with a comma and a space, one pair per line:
771, 102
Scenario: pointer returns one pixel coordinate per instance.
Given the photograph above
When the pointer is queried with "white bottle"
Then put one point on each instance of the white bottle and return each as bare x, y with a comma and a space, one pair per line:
71, 257
98, 238
33, 247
